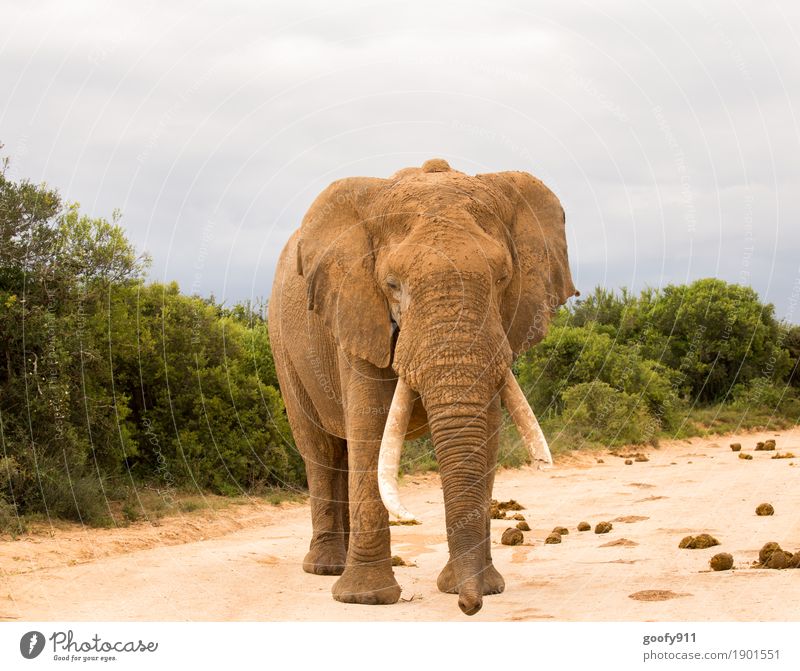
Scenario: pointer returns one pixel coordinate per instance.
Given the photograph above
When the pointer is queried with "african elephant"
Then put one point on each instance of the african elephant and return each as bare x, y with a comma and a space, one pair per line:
397, 309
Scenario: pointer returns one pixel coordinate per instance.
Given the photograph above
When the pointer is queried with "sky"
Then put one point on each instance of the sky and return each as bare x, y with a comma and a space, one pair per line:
669, 130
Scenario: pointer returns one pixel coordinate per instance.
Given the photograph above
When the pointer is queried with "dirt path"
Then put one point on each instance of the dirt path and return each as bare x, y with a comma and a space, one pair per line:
243, 563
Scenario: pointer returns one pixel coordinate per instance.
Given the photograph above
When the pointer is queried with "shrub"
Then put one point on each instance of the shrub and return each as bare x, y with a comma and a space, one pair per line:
602, 414
570, 356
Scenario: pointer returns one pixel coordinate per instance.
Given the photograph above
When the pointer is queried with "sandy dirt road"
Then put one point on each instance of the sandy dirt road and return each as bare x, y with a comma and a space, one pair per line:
243, 563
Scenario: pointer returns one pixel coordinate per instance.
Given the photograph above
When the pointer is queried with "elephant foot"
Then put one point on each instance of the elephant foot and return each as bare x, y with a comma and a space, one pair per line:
493, 582
367, 584
325, 559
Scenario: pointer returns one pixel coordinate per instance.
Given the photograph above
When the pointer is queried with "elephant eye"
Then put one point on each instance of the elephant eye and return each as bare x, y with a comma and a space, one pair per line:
392, 283
502, 278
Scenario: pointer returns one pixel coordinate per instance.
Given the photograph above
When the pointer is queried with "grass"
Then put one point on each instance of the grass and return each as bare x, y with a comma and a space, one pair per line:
127, 505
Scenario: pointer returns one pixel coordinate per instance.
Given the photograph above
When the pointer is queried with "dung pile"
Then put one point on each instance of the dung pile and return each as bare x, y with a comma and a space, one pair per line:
721, 562
603, 527
561, 531
736, 447
512, 536
584, 526
766, 446
553, 539
742, 455
397, 560
497, 509
523, 526
765, 509
699, 542
774, 557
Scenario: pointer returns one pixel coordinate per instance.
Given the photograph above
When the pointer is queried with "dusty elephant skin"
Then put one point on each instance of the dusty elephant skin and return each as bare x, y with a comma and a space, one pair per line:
436, 278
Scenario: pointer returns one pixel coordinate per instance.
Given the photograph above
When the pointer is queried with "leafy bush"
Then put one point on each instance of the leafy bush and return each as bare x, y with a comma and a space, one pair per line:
602, 414
570, 356
117, 378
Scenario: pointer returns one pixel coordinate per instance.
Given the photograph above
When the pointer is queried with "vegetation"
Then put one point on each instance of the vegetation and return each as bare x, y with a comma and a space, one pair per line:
121, 398
617, 369
108, 383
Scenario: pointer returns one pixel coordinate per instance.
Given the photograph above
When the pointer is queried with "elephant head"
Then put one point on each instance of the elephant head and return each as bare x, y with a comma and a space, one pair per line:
445, 277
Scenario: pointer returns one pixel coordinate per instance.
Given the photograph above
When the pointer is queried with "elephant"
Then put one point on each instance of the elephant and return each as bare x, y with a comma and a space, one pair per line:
397, 310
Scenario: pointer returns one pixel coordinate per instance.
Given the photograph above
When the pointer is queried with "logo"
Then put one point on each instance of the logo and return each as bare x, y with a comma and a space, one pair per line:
31, 644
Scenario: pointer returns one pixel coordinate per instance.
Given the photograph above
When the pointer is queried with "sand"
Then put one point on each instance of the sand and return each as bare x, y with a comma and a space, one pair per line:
243, 562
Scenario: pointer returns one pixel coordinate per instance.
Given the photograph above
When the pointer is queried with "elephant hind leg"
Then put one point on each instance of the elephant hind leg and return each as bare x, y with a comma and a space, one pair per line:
327, 552
325, 457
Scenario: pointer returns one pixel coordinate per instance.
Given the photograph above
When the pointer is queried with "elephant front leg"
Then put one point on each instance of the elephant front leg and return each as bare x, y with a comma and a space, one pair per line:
368, 577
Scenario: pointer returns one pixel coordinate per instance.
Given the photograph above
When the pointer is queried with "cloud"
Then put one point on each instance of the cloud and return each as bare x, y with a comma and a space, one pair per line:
669, 132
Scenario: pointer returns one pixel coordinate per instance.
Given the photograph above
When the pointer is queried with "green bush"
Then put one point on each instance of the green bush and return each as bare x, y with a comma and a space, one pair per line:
116, 378
602, 414
570, 356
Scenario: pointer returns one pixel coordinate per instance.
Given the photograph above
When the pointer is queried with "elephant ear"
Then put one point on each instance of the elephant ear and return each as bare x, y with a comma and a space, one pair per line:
335, 256
541, 281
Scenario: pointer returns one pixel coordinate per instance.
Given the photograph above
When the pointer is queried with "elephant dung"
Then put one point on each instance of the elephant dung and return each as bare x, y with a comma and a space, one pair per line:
561, 531
603, 527
699, 542
584, 526
523, 526
742, 455
518, 517
628, 462
553, 539
397, 560
512, 536
785, 455
765, 509
510, 505
766, 551
759, 446
736, 447
769, 445
495, 513
721, 562
778, 559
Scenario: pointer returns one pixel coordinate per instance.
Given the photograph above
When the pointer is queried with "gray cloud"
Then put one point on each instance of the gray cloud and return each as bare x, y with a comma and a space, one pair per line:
670, 132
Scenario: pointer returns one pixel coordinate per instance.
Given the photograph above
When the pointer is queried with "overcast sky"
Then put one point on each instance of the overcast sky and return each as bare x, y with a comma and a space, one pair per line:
669, 130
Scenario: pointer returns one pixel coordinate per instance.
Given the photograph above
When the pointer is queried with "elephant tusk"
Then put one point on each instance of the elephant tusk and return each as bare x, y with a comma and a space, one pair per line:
391, 446
522, 415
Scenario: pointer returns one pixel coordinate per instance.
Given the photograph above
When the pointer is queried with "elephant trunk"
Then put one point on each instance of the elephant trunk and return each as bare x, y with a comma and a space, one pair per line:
459, 438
